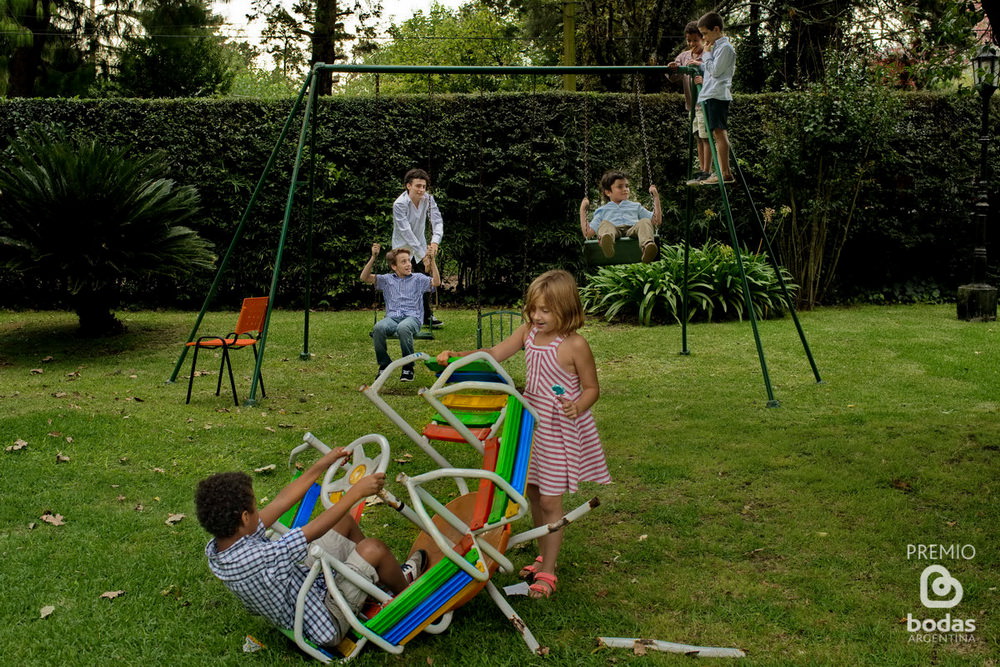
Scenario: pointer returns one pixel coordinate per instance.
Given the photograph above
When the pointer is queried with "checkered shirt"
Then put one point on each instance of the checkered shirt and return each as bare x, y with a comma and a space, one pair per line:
266, 576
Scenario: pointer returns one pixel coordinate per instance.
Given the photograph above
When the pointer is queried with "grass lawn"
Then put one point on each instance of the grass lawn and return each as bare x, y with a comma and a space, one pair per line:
780, 531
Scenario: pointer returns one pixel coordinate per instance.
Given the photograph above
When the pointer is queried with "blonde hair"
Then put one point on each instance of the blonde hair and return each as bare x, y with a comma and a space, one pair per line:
558, 289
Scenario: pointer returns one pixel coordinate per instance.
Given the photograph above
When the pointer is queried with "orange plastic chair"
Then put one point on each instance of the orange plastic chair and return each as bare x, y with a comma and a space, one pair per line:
247, 332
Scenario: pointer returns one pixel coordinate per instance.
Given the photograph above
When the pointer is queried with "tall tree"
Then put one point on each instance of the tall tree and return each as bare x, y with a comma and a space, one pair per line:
179, 54
57, 47
321, 23
473, 34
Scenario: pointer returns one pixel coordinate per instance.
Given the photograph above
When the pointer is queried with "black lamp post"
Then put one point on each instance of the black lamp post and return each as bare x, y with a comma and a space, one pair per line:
978, 301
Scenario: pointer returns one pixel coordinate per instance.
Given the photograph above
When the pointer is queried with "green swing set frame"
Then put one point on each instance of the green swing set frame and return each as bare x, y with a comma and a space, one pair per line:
306, 101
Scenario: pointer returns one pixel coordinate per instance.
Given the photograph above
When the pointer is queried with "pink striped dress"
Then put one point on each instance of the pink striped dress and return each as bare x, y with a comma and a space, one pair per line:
565, 452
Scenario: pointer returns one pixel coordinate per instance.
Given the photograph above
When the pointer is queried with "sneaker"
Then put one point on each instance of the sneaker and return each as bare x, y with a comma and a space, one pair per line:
714, 180
607, 243
649, 252
414, 566
406, 375
436, 323
698, 178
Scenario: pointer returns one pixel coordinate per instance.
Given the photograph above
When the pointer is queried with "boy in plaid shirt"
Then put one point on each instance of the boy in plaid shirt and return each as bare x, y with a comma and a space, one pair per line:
267, 575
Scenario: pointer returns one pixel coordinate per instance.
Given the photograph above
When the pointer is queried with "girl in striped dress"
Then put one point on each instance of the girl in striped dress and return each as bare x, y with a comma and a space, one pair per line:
561, 386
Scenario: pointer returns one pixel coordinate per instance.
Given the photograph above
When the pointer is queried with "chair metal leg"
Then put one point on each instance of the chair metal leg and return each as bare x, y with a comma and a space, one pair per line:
232, 381
194, 362
222, 367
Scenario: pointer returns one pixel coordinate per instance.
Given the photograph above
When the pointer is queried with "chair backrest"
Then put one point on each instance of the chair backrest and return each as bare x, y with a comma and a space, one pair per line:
495, 326
252, 315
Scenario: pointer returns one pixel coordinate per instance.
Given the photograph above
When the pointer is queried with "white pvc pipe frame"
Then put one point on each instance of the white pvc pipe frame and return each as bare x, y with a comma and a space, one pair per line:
419, 496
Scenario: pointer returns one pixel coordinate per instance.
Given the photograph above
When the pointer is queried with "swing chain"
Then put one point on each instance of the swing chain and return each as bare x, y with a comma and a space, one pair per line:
586, 147
642, 129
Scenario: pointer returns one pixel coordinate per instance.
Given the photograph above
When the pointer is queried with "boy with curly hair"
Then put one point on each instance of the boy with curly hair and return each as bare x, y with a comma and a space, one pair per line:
267, 575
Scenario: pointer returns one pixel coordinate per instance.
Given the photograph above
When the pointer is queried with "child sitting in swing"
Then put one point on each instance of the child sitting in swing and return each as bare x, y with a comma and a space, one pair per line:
622, 217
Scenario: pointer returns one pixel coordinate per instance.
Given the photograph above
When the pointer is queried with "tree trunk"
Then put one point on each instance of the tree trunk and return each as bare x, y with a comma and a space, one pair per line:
324, 43
93, 308
26, 61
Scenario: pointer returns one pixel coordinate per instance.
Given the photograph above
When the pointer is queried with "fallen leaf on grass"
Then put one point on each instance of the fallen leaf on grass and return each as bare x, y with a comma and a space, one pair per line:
174, 519
120, 498
48, 359
60, 394
32, 525
172, 590
37, 371
643, 538
271, 429
139, 507
111, 595
265, 469
902, 485
17, 446
61, 458
123, 460
159, 470
54, 434
46, 611
54, 519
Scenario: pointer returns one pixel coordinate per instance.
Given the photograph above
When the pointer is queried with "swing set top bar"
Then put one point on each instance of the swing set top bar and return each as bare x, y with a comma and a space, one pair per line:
477, 69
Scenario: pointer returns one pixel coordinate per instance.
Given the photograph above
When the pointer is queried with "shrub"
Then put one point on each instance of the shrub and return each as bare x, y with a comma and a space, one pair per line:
823, 150
93, 218
653, 292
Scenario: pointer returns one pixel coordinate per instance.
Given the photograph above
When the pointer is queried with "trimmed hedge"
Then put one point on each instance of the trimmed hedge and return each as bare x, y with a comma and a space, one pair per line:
508, 173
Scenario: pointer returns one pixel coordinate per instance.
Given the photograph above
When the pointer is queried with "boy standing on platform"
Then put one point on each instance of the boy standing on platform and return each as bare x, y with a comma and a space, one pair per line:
410, 213
696, 47
719, 64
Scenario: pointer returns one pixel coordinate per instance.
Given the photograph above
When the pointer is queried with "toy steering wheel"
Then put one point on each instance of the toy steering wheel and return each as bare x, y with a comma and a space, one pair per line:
338, 479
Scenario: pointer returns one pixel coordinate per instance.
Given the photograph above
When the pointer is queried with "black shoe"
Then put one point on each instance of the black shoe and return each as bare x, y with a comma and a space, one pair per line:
406, 375
436, 323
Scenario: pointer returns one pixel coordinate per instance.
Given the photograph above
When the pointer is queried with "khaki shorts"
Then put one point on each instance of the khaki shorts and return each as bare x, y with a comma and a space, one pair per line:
343, 550
698, 126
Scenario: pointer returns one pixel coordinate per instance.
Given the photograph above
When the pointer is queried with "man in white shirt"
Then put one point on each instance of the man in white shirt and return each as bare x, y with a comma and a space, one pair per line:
410, 213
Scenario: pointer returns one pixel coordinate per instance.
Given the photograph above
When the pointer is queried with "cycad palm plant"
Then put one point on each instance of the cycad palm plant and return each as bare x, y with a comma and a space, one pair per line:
93, 217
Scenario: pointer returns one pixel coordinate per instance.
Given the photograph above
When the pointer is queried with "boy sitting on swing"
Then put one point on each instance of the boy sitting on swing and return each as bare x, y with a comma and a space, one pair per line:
622, 217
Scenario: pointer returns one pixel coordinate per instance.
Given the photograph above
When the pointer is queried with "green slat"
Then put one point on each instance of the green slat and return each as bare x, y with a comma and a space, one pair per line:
474, 367
508, 448
471, 418
416, 593
288, 517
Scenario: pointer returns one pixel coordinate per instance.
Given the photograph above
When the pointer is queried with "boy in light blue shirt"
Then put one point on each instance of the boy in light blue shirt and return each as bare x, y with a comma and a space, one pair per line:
622, 217
718, 63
